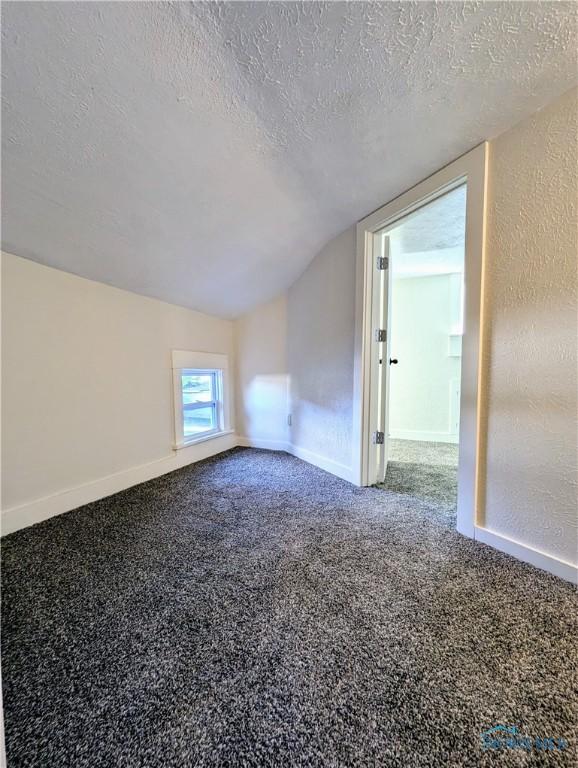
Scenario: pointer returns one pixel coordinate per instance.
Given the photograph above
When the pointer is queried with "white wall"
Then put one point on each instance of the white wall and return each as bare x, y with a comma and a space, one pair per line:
262, 376
425, 384
320, 340
87, 388
531, 312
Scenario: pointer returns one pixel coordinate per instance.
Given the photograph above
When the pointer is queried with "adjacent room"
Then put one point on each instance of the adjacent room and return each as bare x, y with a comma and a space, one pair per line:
289, 396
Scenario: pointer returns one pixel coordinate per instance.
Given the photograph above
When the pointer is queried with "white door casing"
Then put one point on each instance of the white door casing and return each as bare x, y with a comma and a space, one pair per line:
471, 168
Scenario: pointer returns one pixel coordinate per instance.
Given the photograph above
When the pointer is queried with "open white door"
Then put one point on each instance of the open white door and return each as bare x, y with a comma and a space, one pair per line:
385, 358
470, 168
378, 450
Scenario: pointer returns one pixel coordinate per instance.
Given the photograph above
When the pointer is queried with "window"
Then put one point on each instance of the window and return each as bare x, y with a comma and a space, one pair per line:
201, 397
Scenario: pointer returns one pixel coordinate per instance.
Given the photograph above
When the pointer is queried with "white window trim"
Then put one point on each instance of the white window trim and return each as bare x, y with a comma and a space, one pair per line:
183, 360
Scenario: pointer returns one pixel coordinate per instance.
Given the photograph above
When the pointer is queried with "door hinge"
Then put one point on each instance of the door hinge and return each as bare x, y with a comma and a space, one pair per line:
383, 262
380, 334
378, 438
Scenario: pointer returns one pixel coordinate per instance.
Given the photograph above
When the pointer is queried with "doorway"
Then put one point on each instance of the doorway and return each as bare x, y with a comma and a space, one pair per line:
421, 359
418, 390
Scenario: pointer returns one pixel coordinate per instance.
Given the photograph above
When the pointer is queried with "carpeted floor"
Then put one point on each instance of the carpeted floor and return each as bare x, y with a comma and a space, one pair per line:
252, 610
426, 471
422, 452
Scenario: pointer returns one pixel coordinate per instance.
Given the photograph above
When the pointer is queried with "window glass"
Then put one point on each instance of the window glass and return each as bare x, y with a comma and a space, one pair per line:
199, 395
199, 420
198, 388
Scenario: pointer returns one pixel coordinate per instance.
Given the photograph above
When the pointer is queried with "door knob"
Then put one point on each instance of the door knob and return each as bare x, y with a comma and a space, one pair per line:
393, 361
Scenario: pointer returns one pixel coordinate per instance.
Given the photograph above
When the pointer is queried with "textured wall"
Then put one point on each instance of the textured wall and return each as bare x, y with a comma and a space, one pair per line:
531, 316
321, 325
262, 381
86, 378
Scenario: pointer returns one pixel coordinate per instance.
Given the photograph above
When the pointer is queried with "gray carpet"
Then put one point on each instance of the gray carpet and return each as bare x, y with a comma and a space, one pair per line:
422, 452
424, 471
252, 610
436, 484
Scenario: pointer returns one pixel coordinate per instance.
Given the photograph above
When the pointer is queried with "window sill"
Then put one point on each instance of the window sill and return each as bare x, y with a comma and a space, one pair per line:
203, 438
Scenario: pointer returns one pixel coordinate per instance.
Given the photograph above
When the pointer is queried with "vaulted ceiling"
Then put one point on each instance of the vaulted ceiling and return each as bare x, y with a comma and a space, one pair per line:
202, 153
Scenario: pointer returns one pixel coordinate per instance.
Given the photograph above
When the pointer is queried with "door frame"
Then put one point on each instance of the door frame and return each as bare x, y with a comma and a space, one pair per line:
470, 168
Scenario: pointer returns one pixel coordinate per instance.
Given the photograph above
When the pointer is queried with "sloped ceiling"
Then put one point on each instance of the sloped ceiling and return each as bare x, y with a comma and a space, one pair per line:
202, 153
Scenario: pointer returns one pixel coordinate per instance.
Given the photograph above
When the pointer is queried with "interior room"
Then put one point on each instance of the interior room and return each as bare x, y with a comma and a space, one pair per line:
234, 531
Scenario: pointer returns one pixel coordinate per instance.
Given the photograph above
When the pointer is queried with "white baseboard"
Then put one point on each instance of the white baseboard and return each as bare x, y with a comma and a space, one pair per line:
15, 518
527, 554
341, 470
426, 437
23, 515
269, 445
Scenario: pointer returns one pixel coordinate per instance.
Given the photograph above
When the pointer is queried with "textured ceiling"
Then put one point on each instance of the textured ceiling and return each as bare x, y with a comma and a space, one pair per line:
437, 225
431, 241
203, 153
